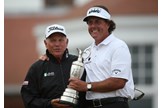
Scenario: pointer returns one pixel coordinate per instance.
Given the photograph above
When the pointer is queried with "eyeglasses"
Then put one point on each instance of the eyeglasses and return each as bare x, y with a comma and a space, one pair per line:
138, 94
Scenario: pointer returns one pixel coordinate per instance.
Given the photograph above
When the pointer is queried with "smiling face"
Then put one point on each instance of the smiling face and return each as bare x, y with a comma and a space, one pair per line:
98, 29
56, 44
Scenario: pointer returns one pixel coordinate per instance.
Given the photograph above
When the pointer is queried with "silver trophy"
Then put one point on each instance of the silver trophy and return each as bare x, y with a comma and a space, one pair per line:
70, 96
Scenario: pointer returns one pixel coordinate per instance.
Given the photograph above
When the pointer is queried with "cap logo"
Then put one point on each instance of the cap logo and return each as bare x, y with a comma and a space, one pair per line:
55, 28
97, 12
94, 11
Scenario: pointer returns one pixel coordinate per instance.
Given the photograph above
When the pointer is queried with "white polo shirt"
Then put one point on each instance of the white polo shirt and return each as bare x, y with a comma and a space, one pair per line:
111, 58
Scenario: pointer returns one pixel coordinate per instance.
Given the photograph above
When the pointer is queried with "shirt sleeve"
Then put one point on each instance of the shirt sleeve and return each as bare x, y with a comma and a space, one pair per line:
121, 63
30, 92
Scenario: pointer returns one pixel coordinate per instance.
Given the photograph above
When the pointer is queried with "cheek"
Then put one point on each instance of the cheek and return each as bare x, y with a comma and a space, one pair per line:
89, 28
65, 46
49, 44
107, 27
46, 45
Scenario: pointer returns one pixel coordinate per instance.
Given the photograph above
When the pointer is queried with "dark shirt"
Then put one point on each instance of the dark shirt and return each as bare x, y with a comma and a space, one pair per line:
46, 80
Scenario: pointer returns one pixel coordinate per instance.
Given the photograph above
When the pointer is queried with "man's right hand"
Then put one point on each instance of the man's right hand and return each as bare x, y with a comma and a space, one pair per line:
56, 104
43, 57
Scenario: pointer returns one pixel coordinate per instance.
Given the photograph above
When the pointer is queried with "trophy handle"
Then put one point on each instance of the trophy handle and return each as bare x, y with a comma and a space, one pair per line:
79, 55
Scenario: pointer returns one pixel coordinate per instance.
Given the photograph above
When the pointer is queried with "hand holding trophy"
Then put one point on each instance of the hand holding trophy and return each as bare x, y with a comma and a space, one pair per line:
70, 96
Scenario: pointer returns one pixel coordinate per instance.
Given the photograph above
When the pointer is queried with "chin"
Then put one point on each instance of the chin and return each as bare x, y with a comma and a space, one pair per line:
58, 54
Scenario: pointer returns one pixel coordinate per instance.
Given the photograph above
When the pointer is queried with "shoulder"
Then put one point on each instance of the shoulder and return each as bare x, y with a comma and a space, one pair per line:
36, 68
37, 65
72, 57
118, 43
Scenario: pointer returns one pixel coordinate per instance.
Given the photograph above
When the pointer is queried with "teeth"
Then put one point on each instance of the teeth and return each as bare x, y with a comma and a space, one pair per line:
94, 31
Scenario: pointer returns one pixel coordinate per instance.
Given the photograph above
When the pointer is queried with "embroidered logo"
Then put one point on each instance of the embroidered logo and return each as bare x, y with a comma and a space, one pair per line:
116, 71
94, 11
55, 28
49, 74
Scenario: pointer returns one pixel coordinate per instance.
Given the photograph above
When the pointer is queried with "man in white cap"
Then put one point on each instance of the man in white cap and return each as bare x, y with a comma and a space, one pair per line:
109, 82
46, 80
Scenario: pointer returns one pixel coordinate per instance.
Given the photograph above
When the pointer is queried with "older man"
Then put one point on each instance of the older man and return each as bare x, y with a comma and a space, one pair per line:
46, 80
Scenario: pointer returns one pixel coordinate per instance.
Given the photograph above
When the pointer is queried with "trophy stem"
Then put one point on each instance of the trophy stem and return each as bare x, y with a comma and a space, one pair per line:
79, 55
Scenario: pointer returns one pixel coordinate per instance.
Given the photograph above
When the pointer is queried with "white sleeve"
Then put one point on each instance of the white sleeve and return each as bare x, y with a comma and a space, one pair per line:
121, 63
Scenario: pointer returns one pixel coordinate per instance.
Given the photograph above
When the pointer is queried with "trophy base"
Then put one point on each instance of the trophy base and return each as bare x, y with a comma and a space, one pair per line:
69, 97
67, 103
68, 100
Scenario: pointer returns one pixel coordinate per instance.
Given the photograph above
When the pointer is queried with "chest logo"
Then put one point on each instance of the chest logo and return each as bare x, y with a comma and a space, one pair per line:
49, 74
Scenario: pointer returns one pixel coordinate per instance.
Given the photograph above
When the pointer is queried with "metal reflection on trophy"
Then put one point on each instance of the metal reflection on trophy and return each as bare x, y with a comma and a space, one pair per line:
70, 96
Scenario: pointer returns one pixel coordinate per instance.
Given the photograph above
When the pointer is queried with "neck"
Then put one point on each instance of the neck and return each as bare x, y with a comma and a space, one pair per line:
104, 37
58, 59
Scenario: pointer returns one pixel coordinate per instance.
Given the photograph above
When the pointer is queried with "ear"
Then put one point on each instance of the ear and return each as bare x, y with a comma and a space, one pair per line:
45, 43
67, 41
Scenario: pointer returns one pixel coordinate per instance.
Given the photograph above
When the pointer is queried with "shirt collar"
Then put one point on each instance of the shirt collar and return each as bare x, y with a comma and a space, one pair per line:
106, 41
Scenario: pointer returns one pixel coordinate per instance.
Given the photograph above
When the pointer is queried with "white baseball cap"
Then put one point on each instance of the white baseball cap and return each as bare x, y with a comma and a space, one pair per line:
55, 28
97, 12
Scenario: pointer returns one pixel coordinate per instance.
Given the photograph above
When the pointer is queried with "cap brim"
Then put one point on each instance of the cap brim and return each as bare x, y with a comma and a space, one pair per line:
86, 18
54, 33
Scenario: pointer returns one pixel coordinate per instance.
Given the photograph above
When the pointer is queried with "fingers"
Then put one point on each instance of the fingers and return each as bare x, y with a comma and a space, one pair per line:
72, 83
43, 57
73, 79
77, 84
56, 103
55, 100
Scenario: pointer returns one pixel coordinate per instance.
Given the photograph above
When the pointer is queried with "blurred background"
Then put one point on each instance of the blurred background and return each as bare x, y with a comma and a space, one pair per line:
25, 22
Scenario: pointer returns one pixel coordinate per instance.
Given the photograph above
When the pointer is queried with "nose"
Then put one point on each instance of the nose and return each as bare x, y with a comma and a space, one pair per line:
56, 43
